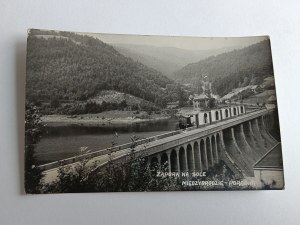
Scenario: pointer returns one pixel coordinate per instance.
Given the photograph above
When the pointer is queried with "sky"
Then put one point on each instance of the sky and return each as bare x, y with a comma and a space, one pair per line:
188, 43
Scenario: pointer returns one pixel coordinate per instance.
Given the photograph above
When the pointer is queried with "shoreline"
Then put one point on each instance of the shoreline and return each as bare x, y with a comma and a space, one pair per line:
104, 119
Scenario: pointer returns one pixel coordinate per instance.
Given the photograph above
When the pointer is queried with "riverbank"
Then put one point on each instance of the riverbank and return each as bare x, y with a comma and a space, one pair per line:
103, 119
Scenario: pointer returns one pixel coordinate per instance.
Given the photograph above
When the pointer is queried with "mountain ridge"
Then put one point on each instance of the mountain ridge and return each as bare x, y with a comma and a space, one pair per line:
230, 70
77, 67
167, 60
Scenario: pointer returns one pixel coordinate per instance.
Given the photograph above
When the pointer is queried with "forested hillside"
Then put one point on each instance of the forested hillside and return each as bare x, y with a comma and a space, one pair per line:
69, 66
238, 68
166, 59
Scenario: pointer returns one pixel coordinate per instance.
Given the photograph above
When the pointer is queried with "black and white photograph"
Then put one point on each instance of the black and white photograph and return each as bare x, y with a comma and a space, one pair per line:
141, 113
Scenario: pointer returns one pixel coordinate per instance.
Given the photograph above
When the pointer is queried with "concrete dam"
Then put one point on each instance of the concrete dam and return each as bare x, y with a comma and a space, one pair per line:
239, 141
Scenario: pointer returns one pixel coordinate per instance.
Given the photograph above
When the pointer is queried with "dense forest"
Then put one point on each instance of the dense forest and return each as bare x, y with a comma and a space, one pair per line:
238, 68
166, 59
63, 66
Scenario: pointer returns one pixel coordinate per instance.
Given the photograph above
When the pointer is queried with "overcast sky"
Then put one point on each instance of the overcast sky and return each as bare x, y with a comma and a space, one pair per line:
190, 43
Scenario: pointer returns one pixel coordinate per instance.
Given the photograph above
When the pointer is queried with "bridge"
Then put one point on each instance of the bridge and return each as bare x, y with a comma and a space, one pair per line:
239, 141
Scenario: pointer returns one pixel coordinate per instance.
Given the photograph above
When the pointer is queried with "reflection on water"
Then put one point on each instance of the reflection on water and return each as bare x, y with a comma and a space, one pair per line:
65, 141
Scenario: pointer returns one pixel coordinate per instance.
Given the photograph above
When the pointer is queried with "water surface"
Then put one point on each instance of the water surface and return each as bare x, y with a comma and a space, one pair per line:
61, 142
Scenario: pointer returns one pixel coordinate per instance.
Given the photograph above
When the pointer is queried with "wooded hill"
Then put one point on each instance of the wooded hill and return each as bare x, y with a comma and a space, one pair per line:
70, 66
167, 60
238, 68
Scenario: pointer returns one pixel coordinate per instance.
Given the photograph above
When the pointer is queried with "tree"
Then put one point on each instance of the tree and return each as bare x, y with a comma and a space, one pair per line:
54, 103
33, 131
79, 67
123, 104
238, 68
134, 175
211, 103
182, 97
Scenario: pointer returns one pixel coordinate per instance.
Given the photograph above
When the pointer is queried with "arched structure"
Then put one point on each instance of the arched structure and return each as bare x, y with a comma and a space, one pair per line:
226, 113
217, 115
209, 152
182, 159
203, 155
154, 164
190, 158
214, 148
174, 161
164, 161
205, 118
197, 156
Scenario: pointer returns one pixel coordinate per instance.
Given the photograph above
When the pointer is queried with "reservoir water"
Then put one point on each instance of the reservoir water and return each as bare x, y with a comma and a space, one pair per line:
61, 142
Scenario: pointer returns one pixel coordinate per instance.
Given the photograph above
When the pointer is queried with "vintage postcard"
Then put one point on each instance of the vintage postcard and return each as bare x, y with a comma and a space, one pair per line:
126, 113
